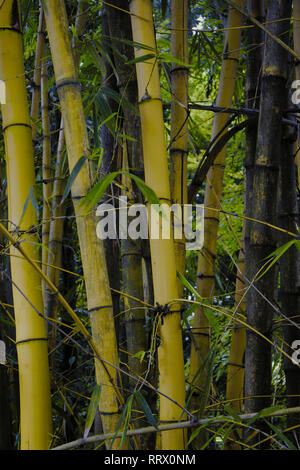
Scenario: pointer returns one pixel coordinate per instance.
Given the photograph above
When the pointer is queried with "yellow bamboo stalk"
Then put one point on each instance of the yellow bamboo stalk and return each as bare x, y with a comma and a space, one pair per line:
213, 194
92, 252
170, 351
31, 337
36, 95
179, 119
296, 30
236, 366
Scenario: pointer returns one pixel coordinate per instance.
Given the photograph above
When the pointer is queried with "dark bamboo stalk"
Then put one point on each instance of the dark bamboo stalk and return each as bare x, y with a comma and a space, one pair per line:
263, 207
289, 294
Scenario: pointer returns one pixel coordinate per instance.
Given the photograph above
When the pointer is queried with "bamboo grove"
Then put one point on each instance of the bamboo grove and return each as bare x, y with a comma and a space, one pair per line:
121, 115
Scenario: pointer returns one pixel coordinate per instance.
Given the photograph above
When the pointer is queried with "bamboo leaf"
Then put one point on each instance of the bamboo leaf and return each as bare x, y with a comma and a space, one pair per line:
116, 50
269, 410
118, 98
211, 438
74, 32
25, 9
167, 72
142, 58
281, 250
124, 412
32, 198
105, 111
50, 83
196, 432
189, 287
146, 408
44, 247
264, 412
147, 192
169, 58
93, 53
106, 56
127, 420
297, 242
140, 355
127, 137
137, 45
284, 438
97, 143
210, 43
209, 315
73, 176
220, 283
277, 254
232, 412
208, 368
93, 406
97, 191
228, 432
108, 119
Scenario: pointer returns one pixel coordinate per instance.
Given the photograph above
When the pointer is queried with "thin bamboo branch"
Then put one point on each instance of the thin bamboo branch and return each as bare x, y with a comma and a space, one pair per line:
185, 424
